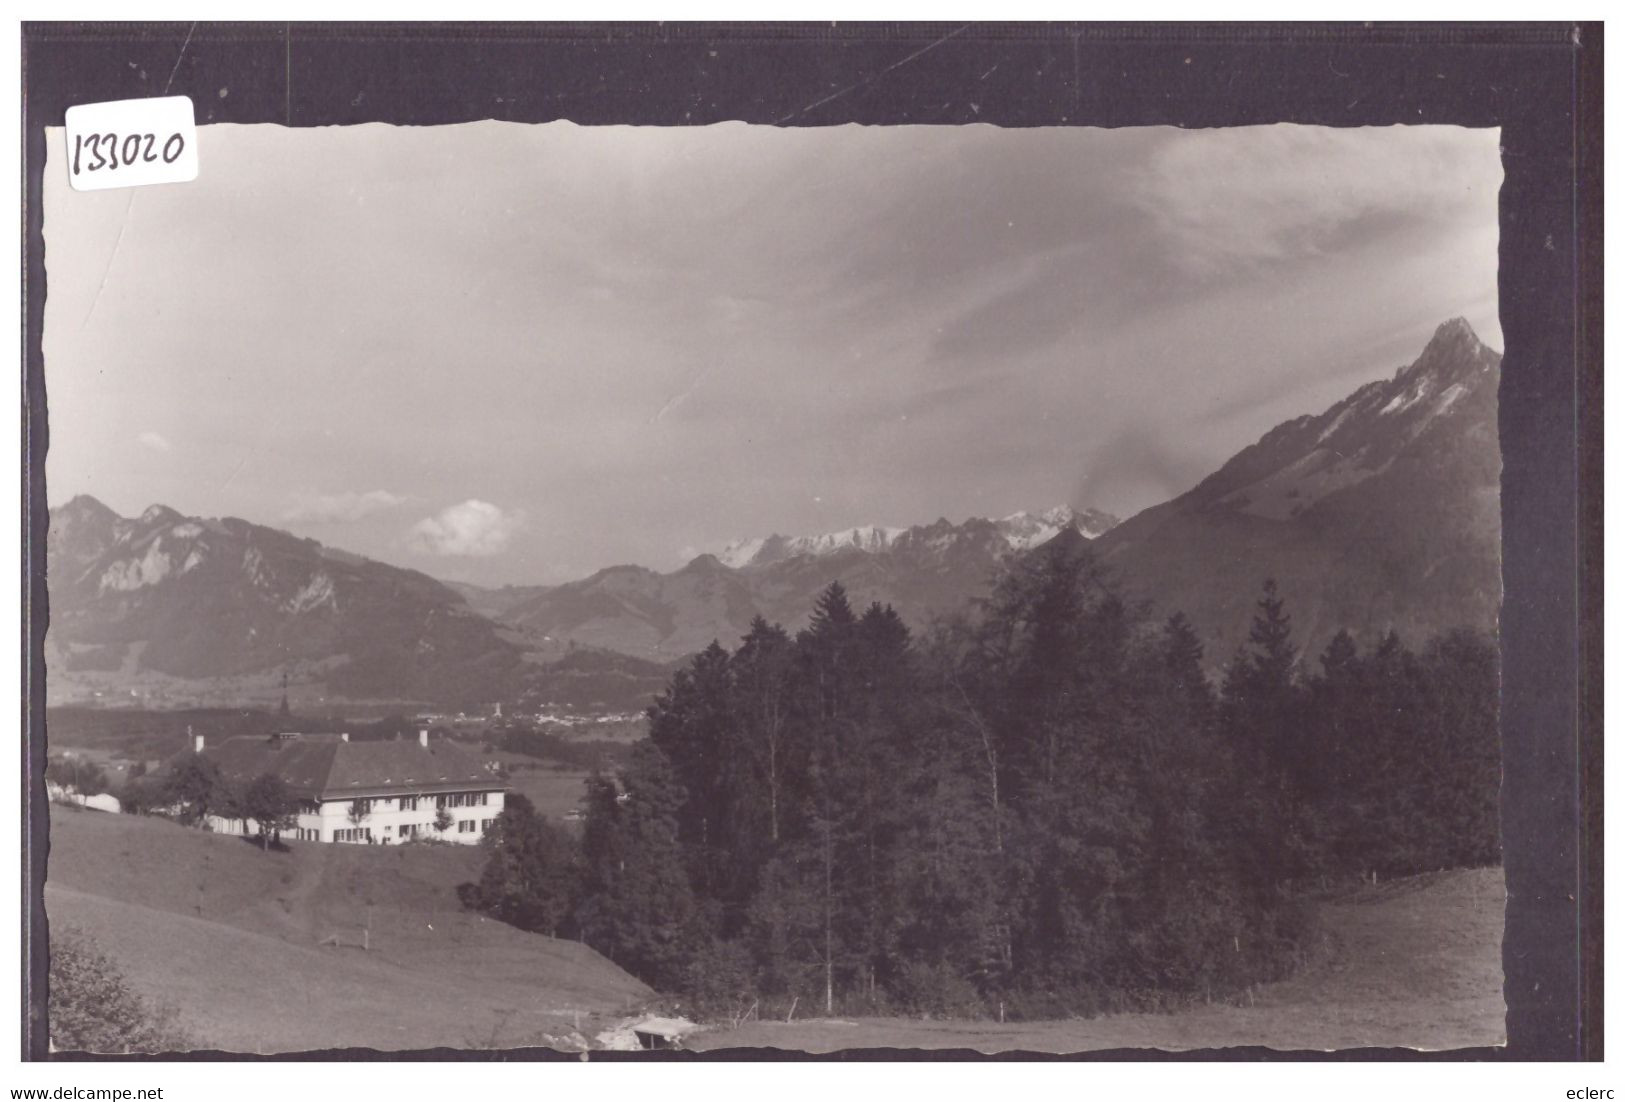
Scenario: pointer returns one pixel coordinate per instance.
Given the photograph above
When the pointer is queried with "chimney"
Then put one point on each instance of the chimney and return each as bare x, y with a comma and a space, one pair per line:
344, 736
423, 737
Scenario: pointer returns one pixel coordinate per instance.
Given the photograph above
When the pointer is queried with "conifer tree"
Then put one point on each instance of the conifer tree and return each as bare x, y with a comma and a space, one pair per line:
695, 723
529, 875
638, 907
763, 667
1262, 718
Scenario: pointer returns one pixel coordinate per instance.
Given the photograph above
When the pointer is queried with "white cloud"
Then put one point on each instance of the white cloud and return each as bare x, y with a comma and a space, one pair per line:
155, 441
1223, 197
341, 507
473, 528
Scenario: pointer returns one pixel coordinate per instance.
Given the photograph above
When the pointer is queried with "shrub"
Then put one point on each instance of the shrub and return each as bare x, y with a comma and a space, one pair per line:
936, 991
718, 982
92, 1008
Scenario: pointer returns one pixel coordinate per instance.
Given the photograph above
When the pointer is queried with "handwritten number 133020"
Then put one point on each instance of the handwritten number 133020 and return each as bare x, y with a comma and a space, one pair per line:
92, 152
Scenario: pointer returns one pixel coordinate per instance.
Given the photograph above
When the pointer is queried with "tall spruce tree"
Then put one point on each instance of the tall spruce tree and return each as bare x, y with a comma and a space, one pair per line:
529, 877
764, 665
1262, 717
696, 725
637, 905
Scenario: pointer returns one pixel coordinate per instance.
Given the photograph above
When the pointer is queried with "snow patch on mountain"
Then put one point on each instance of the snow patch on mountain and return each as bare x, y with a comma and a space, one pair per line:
1023, 531
254, 567
1337, 423
860, 539
1449, 397
129, 574
740, 552
746, 552
1019, 531
316, 593
159, 514
1405, 399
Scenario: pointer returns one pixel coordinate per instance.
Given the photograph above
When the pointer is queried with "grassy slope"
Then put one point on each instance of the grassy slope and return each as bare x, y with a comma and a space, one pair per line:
1413, 964
231, 937
554, 791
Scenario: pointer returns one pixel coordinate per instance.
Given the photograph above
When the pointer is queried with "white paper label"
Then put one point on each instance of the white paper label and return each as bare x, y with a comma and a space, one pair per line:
130, 142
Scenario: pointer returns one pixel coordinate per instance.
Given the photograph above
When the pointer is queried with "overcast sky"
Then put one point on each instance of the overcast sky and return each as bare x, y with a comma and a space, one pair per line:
510, 353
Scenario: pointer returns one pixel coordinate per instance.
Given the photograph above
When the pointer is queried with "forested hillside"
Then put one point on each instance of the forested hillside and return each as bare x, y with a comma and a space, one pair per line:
1042, 809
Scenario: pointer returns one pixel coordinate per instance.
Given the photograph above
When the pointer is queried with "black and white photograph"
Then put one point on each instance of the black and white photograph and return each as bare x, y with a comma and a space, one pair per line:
599, 589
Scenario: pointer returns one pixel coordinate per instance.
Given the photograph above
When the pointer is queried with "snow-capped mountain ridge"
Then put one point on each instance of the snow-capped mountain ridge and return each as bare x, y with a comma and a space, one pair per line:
1020, 531
742, 553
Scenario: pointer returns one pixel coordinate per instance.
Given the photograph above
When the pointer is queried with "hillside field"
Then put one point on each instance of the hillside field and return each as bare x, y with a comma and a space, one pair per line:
1411, 964
554, 791
233, 939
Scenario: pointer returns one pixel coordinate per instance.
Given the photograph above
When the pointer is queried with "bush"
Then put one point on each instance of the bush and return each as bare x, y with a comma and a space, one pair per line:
936, 991
92, 1008
718, 982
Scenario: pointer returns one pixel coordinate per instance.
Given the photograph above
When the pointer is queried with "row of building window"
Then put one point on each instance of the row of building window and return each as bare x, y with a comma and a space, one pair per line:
368, 805
462, 799
407, 830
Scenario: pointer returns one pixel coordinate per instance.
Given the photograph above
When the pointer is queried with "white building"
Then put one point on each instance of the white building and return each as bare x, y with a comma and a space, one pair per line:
101, 801
385, 792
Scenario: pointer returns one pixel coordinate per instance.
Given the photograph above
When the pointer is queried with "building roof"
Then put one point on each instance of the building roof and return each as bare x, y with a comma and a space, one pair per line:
327, 767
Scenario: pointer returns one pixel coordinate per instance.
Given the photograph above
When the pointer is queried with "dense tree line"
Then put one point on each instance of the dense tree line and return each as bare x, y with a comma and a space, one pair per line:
1044, 807
77, 775
192, 788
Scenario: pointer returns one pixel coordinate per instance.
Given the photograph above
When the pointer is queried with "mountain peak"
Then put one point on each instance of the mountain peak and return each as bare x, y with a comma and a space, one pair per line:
1456, 328
1027, 530
1453, 339
84, 505
706, 562
160, 514
85, 525
1379, 513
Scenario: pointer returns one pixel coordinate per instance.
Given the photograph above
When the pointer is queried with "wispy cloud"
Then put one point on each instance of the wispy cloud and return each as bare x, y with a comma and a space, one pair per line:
473, 528
156, 441
1228, 198
341, 507
847, 325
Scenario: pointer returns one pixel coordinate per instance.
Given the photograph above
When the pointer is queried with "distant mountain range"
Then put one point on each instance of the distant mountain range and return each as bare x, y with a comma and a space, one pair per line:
923, 570
192, 598
1020, 531
1381, 512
